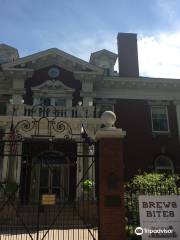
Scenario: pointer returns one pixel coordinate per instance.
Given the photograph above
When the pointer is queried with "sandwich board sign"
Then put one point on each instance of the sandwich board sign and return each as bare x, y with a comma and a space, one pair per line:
159, 217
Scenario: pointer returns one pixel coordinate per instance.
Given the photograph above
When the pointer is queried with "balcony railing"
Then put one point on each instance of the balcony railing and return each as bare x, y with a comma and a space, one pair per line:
52, 111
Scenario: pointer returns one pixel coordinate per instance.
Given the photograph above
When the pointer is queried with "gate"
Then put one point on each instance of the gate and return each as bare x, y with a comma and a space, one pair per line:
56, 197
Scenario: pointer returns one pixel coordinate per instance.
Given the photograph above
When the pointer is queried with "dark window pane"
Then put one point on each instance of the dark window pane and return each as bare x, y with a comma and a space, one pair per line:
2, 108
44, 178
159, 119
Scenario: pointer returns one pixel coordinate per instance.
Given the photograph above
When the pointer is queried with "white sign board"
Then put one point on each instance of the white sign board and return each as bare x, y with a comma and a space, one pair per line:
159, 217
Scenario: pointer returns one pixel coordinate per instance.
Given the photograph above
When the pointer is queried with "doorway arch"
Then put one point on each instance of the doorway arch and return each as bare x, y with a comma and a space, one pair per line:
164, 164
50, 174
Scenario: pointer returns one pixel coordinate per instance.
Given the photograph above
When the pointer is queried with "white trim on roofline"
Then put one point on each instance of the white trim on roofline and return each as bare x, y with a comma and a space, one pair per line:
51, 51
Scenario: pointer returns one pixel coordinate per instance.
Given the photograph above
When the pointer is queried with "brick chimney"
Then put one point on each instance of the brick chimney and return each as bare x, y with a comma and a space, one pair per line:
128, 55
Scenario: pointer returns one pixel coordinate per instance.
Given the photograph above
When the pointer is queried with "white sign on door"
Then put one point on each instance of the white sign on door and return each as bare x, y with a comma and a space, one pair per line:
159, 217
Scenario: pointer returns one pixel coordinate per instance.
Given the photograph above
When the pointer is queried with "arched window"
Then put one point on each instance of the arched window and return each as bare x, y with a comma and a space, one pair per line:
163, 164
45, 101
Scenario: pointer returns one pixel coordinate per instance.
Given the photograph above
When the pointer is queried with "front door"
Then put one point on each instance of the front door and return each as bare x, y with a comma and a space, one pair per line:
55, 180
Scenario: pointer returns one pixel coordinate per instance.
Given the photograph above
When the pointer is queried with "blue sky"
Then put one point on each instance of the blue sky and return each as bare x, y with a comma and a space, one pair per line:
83, 26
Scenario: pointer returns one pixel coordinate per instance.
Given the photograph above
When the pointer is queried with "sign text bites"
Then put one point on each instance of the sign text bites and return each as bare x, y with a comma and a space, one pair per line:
159, 217
159, 209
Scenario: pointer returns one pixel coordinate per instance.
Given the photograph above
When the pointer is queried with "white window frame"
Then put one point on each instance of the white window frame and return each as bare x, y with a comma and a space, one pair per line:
167, 118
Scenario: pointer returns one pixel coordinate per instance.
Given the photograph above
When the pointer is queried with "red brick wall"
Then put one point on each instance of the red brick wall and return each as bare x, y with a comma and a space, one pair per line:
111, 218
140, 146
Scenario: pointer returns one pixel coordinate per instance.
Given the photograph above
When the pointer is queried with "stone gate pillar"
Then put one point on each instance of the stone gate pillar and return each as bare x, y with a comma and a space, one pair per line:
111, 168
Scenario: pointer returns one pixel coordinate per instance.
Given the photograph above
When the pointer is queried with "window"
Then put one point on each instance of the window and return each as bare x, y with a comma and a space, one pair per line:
163, 164
106, 71
45, 101
2, 108
159, 116
60, 102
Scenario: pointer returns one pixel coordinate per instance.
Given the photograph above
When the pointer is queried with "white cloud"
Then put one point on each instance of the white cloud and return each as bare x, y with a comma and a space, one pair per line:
159, 56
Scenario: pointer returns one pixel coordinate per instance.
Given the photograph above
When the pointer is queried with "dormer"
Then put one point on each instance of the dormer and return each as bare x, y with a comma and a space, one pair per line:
104, 59
8, 54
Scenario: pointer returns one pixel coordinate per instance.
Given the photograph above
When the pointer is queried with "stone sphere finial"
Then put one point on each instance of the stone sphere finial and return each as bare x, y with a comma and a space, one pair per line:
108, 118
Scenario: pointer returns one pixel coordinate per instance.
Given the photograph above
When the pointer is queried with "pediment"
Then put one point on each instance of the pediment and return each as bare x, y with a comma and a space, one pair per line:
52, 85
50, 57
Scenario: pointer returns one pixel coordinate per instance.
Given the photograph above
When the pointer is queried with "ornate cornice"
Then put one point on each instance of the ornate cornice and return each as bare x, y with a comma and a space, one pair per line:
137, 83
50, 86
50, 56
18, 72
85, 76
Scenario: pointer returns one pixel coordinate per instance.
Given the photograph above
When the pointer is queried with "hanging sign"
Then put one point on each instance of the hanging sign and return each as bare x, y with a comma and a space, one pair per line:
159, 217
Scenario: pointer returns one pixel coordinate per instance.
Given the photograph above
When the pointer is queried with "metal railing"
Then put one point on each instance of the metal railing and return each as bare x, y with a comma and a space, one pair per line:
53, 111
74, 112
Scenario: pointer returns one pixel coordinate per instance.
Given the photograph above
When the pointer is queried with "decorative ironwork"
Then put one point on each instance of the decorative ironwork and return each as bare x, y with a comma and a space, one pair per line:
25, 126
64, 218
43, 111
48, 114
74, 213
61, 127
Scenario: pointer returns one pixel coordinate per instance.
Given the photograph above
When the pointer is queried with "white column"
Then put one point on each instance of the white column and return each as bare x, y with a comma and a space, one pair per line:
17, 101
36, 100
5, 161
87, 101
177, 103
68, 107
18, 160
53, 101
79, 171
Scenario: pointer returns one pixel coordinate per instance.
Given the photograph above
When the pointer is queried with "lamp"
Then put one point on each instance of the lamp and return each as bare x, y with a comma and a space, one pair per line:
80, 103
14, 108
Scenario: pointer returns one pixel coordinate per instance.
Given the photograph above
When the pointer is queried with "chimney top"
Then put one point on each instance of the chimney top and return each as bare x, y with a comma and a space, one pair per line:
127, 35
128, 55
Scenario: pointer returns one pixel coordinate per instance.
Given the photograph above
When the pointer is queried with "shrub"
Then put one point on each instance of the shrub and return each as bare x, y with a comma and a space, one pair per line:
11, 188
88, 185
146, 184
153, 179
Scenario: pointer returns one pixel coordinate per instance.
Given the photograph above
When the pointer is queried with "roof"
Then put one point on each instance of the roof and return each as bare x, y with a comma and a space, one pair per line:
101, 53
48, 52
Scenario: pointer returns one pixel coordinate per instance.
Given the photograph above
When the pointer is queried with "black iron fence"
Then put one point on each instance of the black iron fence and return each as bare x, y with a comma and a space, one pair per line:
132, 205
56, 196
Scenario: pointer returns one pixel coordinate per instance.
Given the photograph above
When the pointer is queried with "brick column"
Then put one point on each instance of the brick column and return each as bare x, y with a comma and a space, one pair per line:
111, 192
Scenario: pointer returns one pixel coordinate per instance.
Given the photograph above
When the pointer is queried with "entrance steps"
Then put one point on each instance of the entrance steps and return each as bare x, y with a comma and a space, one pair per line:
55, 216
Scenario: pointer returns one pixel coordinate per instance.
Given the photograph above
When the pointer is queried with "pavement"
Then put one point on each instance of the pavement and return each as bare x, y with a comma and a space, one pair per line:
53, 234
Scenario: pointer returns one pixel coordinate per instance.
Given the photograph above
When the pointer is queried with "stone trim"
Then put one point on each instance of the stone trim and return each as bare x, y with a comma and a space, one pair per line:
111, 132
138, 83
55, 52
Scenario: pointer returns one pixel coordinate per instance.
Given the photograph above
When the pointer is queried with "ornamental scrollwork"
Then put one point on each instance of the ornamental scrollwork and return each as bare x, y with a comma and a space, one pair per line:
25, 126
62, 127
49, 115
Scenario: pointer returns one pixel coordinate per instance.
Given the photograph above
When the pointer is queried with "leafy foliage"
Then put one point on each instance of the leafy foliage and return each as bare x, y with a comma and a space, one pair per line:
146, 184
88, 185
153, 180
11, 188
